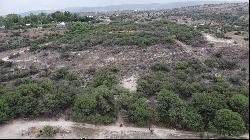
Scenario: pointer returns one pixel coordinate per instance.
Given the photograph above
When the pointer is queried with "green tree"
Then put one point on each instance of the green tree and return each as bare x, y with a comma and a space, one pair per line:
184, 117
239, 102
104, 76
207, 104
227, 122
141, 113
5, 110
12, 20
84, 105
167, 100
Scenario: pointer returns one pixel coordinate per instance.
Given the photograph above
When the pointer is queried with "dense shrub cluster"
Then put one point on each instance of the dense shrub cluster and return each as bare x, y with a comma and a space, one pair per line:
84, 35
31, 98
189, 98
96, 104
180, 95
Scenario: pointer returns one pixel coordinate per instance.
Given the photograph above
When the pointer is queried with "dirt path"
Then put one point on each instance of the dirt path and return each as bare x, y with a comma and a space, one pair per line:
23, 129
213, 39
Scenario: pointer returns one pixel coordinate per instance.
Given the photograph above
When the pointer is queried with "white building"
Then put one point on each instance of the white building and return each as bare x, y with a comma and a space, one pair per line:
28, 24
61, 24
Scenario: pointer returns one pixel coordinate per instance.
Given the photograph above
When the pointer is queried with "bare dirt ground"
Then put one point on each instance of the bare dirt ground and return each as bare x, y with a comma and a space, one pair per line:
130, 83
129, 59
28, 129
213, 39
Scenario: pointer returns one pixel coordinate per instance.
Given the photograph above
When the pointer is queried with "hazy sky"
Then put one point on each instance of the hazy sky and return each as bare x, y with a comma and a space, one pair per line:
19, 6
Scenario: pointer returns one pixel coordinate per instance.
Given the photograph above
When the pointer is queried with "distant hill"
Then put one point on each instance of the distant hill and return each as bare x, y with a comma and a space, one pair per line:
153, 6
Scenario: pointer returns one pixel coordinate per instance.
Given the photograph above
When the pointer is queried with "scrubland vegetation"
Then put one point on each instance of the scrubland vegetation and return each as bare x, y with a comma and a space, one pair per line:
182, 94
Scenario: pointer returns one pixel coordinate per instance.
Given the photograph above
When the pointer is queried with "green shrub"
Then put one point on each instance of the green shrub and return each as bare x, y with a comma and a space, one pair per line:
207, 104
6, 63
184, 117
220, 85
160, 67
167, 100
181, 65
220, 34
141, 113
104, 76
150, 84
226, 64
5, 110
47, 131
94, 106
34, 47
239, 102
63, 74
84, 105
227, 122
185, 89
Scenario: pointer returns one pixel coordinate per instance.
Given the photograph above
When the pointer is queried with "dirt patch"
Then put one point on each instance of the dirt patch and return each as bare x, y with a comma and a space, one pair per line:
28, 129
130, 83
213, 39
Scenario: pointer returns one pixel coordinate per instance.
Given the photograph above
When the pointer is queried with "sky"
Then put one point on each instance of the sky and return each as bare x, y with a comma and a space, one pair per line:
20, 6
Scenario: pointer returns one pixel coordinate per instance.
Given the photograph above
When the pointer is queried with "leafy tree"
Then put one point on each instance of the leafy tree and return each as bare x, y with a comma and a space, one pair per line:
239, 102
207, 104
151, 83
141, 113
5, 110
84, 105
12, 20
105, 76
93, 105
227, 122
184, 117
58, 16
167, 100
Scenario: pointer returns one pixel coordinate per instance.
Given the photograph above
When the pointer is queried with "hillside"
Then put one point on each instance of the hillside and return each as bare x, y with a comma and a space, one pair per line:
179, 73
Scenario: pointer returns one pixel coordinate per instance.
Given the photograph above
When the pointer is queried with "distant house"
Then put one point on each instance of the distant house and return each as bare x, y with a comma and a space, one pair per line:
28, 24
2, 27
105, 20
61, 24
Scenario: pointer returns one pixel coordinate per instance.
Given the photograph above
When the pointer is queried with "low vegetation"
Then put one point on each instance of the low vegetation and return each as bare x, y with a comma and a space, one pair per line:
188, 93
47, 131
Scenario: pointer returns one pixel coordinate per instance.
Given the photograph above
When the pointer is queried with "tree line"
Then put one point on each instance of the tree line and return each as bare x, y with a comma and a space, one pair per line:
17, 21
